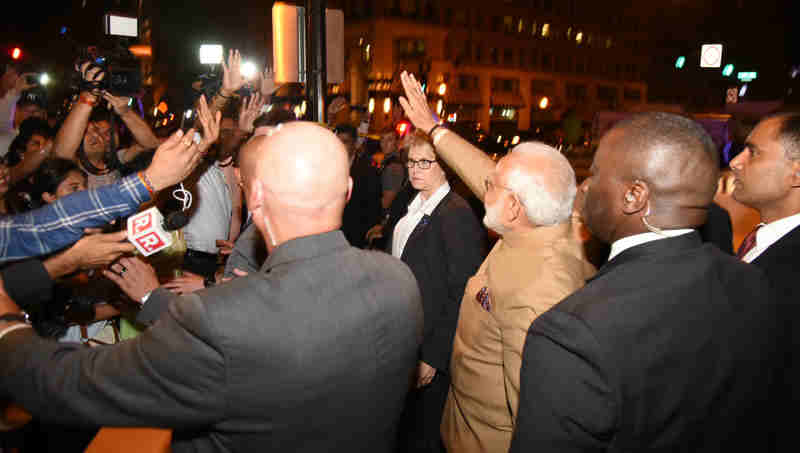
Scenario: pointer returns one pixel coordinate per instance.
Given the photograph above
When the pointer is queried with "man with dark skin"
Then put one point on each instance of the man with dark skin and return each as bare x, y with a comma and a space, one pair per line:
672, 345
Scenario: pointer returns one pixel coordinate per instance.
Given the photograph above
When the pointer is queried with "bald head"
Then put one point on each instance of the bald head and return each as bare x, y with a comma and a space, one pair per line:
298, 178
674, 155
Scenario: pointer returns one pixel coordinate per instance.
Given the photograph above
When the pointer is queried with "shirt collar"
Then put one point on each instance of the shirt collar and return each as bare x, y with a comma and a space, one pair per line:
620, 245
770, 233
306, 247
430, 204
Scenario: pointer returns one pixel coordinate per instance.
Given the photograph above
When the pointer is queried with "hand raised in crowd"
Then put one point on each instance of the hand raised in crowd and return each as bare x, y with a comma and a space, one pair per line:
266, 82
118, 103
425, 374
133, 276
415, 104
187, 283
232, 78
177, 157
21, 84
88, 74
210, 122
250, 110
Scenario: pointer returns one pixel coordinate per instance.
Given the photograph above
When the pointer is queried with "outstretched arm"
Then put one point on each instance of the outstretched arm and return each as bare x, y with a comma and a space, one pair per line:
469, 162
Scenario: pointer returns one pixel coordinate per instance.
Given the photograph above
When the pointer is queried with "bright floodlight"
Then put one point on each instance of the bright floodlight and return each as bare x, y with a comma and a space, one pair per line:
44, 79
249, 69
210, 54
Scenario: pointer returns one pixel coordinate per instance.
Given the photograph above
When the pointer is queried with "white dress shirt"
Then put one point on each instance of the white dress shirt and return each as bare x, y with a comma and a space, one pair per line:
770, 233
416, 210
620, 245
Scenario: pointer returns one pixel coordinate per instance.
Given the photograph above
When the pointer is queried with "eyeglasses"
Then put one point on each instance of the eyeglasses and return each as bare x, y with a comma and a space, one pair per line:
422, 164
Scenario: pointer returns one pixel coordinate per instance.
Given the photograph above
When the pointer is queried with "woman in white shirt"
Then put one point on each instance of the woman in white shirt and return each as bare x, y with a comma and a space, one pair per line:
443, 243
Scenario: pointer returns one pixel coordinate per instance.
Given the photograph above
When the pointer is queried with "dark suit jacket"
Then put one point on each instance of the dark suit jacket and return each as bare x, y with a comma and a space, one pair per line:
671, 347
312, 354
444, 251
780, 263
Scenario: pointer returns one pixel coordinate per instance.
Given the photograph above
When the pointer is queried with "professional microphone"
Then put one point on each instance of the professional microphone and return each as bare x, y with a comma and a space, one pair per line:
147, 230
150, 231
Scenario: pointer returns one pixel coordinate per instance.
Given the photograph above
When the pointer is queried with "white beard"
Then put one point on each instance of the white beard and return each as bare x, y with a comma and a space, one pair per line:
492, 218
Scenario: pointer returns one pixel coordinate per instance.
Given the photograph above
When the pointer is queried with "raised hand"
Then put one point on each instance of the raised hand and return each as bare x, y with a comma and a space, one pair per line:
118, 103
232, 79
266, 82
250, 110
21, 84
210, 123
174, 160
91, 75
133, 276
415, 104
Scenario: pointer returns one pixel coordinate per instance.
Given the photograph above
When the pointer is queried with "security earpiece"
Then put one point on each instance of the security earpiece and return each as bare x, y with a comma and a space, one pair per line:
629, 198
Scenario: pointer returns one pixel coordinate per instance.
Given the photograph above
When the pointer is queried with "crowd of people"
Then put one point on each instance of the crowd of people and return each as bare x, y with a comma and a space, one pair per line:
327, 291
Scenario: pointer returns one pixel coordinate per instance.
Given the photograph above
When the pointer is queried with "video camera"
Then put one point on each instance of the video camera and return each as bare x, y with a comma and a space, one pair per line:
122, 73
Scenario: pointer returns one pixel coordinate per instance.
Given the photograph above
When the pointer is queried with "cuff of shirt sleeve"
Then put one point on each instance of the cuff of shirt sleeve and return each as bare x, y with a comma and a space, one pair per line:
144, 298
28, 283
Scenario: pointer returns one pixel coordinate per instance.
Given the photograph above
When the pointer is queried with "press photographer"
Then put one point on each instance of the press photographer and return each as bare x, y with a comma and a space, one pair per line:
88, 136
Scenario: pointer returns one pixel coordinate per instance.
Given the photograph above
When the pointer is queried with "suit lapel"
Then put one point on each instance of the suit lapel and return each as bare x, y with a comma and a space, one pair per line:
423, 224
786, 244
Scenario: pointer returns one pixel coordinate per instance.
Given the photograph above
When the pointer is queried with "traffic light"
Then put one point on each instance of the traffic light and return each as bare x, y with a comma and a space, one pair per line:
679, 62
728, 70
16, 54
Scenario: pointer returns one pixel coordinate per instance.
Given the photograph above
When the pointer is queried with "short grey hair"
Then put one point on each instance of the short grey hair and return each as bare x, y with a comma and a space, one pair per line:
548, 192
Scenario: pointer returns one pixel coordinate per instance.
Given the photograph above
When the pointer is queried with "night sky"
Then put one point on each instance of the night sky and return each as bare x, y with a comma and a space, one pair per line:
760, 36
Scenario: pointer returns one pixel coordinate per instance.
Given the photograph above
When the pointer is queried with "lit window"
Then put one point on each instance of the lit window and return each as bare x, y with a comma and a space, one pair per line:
569, 33
579, 37
609, 43
546, 31
534, 28
520, 26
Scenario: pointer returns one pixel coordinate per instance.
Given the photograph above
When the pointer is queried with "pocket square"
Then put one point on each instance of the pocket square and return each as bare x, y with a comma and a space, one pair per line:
484, 298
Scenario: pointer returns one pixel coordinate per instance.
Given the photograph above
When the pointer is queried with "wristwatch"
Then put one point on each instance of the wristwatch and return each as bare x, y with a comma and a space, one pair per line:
18, 317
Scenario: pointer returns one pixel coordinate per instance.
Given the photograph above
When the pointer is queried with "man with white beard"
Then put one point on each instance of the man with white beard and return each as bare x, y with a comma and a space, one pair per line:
528, 196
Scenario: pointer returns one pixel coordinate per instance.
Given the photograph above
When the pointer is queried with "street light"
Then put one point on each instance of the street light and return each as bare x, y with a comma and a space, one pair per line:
387, 105
16, 53
442, 89
544, 102
439, 107
44, 79
371, 106
679, 62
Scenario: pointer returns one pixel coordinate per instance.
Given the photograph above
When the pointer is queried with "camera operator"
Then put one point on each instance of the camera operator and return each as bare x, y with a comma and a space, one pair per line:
15, 107
87, 136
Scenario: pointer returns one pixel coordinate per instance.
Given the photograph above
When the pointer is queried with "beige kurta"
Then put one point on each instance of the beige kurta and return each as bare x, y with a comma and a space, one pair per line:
526, 274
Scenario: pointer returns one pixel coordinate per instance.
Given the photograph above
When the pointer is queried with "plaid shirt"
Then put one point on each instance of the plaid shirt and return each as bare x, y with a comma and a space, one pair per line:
60, 224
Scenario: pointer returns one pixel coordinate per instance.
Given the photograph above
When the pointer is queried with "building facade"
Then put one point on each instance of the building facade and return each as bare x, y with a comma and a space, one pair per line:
502, 64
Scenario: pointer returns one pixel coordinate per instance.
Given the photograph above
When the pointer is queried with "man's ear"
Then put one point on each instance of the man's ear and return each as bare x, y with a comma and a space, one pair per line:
795, 173
349, 188
48, 197
635, 197
515, 210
